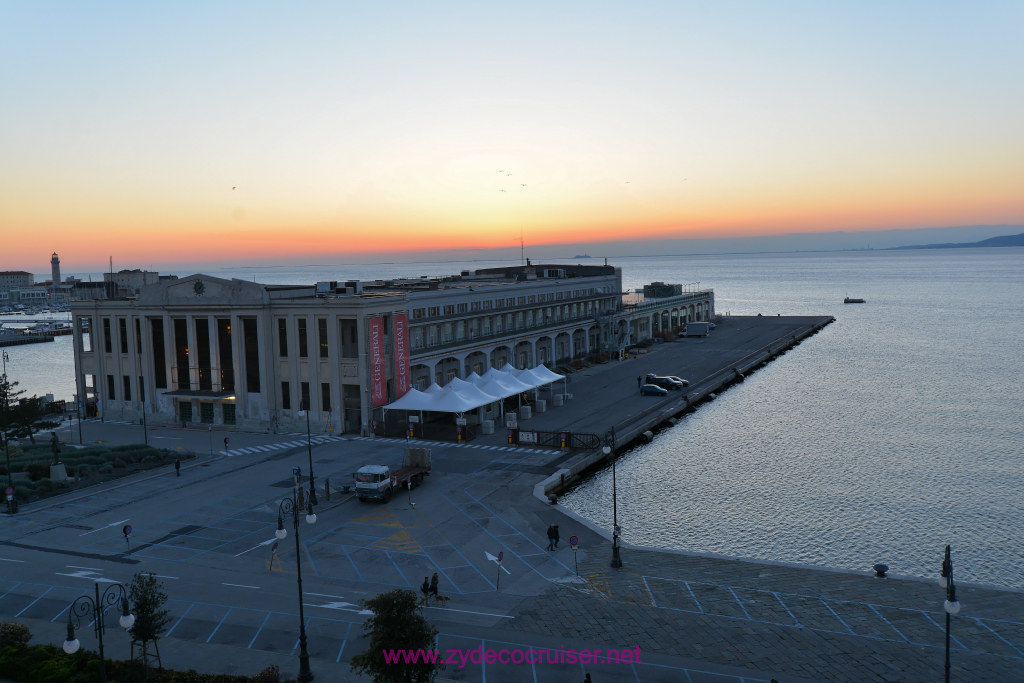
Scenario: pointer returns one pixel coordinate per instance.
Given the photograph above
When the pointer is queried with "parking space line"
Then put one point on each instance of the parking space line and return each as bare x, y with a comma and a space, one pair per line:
258, 631
34, 601
183, 614
214, 632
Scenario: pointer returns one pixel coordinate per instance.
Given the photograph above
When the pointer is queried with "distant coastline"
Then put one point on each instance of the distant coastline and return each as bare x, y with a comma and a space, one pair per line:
1001, 241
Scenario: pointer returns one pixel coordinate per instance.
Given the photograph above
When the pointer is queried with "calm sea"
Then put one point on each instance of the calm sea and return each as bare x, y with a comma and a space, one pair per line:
894, 431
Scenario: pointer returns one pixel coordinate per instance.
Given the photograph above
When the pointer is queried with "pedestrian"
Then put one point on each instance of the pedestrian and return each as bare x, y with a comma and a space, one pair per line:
177, 466
556, 537
433, 585
425, 589
586, 678
639, 381
552, 535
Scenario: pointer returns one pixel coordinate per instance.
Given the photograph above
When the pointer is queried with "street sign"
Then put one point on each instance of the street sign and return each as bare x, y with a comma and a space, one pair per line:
461, 421
574, 540
296, 471
127, 530
9, 491
273, 548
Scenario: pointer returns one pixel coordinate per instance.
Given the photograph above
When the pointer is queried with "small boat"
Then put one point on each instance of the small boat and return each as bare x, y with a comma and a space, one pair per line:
849, 300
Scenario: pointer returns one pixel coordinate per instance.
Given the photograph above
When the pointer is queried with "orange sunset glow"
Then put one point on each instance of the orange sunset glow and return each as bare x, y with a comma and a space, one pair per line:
357, 134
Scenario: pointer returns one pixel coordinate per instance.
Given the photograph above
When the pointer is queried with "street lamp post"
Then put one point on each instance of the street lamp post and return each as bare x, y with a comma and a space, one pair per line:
309, 450
85, 606
290, 505
3, 419
145, 431
951, 605
607, 450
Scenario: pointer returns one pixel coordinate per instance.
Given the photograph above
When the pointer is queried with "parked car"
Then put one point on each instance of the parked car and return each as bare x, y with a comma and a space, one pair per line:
682, 381
652, 390
664, 382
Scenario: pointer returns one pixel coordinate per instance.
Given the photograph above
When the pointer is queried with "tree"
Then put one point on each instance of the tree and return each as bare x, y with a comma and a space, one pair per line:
396, 625
147, 599
21, 417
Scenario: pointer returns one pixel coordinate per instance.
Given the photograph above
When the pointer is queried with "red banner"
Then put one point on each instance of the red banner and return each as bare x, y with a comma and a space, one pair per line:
378, 380
403, 380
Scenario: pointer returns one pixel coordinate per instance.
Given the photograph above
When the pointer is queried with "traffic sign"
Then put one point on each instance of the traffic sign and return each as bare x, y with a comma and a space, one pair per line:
273, 548
296, 471
501, 554
9, 491
127, 530
574, 540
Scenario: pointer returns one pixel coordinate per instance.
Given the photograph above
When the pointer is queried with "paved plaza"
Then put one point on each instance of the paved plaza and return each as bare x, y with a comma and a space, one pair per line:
209, 536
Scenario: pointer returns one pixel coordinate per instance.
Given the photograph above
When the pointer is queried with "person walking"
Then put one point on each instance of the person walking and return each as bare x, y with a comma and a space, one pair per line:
433, 585
552, 535
177, 466
639, 381
425, 589
556, 537
586, 678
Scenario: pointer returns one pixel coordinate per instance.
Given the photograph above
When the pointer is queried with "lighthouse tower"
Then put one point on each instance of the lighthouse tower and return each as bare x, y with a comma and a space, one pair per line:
55, 269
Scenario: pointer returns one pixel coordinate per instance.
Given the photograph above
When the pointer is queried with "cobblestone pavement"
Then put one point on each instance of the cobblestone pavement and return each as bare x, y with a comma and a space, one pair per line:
815, 624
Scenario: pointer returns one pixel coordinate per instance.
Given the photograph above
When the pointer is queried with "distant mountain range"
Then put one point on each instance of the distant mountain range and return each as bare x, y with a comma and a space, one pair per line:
1002, 241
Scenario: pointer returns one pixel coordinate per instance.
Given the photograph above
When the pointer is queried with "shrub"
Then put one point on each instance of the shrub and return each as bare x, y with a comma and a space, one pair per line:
85, 470
119, 462
13, 634
105, 468
37, 470
269, 675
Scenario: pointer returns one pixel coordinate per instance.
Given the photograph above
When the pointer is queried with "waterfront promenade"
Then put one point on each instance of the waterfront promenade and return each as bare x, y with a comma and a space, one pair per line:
694, 618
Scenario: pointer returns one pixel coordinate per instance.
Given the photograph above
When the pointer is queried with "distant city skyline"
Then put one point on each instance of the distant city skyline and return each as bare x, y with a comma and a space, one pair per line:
193, 133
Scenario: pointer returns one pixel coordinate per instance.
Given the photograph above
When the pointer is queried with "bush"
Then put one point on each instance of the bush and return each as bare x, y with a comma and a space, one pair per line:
269, 675
13, 634
37, 470
105, 468
85, 471
120, 463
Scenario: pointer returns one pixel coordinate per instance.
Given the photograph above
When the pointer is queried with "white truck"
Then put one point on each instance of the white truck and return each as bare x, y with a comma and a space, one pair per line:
381, 482
696, 330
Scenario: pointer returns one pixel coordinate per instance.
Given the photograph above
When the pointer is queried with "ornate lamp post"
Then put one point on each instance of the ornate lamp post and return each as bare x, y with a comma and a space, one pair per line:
951, 605
11, 505
607, 450
85, 606
309, 449
290, 505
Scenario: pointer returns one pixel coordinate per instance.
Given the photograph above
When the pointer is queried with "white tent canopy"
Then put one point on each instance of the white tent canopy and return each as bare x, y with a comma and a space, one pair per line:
459, 395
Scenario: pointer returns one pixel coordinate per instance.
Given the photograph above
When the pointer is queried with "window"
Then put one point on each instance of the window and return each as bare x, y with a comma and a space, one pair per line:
282, 337
206, 413
127, 388
138, 336
286, 396
159, 359
304, 391
321, 328
449, 309
122, 332
325, 396
303, 349
142, 390
106, 335
110, 387
229, 413
462, 308
432, 311
251, 349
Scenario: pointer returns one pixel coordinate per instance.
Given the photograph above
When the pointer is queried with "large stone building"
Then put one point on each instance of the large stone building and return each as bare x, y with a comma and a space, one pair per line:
206, 350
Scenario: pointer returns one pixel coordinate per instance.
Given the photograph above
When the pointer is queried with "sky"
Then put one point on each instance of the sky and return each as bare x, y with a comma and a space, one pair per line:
203, 131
